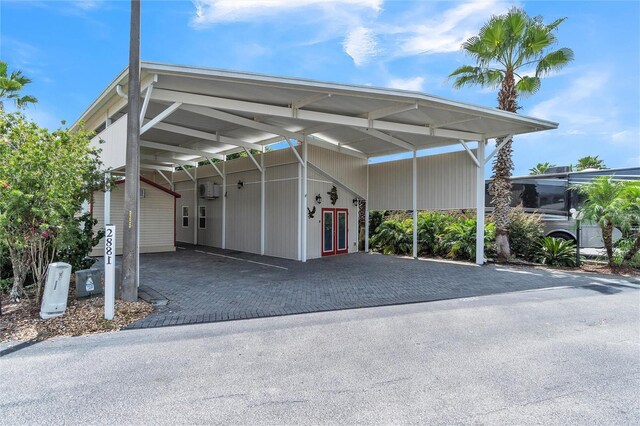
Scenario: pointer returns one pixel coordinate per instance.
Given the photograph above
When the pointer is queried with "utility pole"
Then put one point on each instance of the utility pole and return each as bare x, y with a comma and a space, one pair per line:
130, 248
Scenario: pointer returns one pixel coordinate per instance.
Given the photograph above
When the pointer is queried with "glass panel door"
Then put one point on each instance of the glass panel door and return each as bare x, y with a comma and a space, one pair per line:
327, 232
341, 231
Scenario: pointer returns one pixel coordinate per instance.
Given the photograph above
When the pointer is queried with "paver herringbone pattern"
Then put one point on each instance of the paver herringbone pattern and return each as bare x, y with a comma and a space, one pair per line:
202, 287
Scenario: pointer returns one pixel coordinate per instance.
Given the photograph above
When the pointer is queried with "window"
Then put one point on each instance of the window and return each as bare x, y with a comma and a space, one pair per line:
202, 217
185, 216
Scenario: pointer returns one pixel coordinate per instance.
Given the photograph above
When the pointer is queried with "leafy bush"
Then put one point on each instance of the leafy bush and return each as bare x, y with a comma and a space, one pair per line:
78, 242
556, 252
623, 247
375, 219
525, 229
431, 227
394, 237
460, 238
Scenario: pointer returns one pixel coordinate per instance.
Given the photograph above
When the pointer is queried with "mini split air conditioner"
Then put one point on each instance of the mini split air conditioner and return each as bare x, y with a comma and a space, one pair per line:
209, 190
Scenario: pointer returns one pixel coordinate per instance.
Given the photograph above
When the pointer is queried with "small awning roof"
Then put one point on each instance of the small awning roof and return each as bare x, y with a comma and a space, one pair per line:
220, 112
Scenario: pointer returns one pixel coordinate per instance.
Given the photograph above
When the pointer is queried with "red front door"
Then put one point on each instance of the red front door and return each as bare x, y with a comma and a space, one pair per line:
335, 231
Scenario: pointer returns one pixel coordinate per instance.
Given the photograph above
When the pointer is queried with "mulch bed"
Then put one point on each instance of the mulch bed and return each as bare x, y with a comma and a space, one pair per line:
21, 321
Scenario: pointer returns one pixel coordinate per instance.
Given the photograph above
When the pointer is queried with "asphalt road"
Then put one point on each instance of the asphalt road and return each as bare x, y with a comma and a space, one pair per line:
556, 356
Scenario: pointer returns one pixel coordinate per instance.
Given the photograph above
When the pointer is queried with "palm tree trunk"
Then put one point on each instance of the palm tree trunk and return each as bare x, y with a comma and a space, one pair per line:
502, 167
607, 237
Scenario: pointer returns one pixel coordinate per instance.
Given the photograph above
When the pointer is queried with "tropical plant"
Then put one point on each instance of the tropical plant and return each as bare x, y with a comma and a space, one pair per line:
460, 238
44, 179
78, 240
590, 162
507, 48
11, 85
394, 237
525, 229
603, 206
629, 204
540, 168
375, 219
431, 227
556, 252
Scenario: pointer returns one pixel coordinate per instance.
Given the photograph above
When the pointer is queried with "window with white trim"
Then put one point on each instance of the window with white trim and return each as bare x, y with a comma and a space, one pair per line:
185, 216
202, 217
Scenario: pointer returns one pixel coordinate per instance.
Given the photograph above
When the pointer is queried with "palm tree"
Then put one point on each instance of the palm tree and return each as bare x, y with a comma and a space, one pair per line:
11, 86
512, 52
540, 168
590, 162
602, 206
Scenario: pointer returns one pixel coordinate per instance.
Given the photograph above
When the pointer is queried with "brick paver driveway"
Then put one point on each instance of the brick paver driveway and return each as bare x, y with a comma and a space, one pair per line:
205, 285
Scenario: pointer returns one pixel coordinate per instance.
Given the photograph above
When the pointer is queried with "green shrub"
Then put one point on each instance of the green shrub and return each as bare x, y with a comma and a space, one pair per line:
375, 219
78, 242
556, 252
431, 227
460, 238
394, 237
622, 248
525, 229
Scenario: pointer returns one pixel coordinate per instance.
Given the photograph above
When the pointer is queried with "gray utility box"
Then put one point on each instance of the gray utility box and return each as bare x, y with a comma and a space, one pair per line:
56, 290
89, 282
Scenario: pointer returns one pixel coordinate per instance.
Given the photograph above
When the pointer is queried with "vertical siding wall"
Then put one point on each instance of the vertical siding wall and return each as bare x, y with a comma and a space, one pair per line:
112, 141
243, 205
445, 181
156, 219
350, 170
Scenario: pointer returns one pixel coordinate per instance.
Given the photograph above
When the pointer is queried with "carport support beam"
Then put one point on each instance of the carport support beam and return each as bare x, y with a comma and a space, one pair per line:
366, 215
107, 199
415, 205
304, 197
195, 206
224, 205
262, 203
480, 203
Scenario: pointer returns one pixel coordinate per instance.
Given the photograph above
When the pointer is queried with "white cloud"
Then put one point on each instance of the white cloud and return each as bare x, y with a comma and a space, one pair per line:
627, 137
414, 84
574, 107
445, 33
361, 45
215, 11
87, 4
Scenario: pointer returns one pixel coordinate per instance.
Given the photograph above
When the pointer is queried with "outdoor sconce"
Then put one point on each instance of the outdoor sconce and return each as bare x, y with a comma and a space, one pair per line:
318, 198
240, 184
355, 201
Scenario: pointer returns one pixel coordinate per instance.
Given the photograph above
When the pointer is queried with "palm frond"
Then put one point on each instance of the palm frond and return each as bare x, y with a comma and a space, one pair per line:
554, 61
528, 85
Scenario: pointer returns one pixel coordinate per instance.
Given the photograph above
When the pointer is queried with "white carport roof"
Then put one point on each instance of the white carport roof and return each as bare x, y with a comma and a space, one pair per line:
194, 113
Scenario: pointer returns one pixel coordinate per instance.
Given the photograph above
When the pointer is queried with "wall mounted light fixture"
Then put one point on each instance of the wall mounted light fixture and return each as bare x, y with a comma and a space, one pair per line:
318, 198
240, 184
355, 201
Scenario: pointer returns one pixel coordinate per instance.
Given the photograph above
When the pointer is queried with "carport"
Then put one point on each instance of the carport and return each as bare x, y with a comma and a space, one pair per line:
197, 117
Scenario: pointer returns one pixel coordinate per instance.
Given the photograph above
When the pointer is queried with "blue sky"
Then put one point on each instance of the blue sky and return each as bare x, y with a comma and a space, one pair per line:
72, 50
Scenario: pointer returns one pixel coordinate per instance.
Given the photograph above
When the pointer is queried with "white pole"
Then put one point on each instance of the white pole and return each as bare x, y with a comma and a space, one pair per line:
107, 199
301, 211
305, 169
415, 205
195, 206
109, 271
224, 204
262, 202
366, 215
480, 204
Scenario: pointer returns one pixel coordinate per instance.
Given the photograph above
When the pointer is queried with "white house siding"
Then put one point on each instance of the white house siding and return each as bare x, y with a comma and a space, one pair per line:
445, 181
112, 141
186, 191
320, 185
156, 219
350, 170
281, 211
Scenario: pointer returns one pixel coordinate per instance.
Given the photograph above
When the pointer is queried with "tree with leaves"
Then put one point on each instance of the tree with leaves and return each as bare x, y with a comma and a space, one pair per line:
11, 86
590, 162
45, 176
512, 52
540, 168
